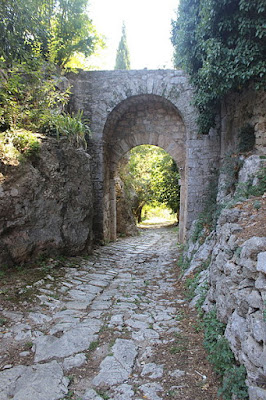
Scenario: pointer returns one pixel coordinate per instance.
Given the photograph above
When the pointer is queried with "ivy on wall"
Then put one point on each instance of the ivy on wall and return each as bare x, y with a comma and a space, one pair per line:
222, 45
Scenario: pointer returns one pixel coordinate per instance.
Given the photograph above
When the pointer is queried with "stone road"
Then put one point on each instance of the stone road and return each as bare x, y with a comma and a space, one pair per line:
94, 332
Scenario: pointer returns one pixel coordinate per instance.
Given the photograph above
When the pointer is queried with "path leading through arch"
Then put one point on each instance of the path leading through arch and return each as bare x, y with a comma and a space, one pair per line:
114, 326
130, 108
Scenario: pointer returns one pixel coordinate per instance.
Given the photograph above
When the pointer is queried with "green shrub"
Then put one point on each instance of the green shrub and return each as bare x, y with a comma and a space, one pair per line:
27, 92
183, 262
260, 188
192, 283
26, 143
245, 190
198, 228
220, 354
234, 384
222, 358
221, 45
203, 290
74, 127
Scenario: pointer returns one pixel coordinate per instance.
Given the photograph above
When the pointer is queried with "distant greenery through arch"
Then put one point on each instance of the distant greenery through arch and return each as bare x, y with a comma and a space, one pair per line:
154, 176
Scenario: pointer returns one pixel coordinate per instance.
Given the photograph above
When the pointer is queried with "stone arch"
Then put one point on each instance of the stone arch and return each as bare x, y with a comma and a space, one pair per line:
138, 120
106, 97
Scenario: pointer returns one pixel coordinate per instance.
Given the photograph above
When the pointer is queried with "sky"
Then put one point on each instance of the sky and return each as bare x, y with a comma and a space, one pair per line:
148, 28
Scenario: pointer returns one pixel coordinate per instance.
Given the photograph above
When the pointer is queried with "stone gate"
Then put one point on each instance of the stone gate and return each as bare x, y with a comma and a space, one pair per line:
131, 108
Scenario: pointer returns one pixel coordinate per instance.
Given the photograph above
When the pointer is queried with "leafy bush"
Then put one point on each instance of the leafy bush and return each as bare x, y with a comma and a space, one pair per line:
234, 384
52, 30
245, 190
73, 127
27, 92
26, 143
222, 45
198, 228
260, 188
192, 282
220, 354
222, 358
183, 262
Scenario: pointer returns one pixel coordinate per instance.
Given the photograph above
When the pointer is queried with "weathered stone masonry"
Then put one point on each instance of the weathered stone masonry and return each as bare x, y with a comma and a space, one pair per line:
46, 205
131, 108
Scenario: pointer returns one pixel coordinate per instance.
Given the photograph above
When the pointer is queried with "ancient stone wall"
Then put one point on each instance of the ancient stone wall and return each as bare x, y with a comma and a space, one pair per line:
235, 253
238, 109
237, 280
125, 224
46, 205
130, 108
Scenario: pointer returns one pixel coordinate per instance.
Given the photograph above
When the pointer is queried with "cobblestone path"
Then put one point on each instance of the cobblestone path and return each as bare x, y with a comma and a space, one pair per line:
95, 333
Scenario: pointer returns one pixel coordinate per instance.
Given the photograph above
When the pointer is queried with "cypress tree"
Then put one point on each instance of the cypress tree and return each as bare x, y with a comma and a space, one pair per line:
122, 54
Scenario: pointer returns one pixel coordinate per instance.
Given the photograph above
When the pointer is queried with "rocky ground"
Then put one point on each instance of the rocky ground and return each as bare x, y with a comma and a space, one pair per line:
112, 326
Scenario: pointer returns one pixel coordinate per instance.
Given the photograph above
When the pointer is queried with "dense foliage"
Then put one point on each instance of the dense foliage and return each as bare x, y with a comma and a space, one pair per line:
52, 29
27, 93
222, 359
38, 40
122, 55
222, 45
154, 176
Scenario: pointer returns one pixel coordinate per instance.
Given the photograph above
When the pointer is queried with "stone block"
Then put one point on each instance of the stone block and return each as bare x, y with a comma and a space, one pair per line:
37, 382
236, 331
256, 393
254, 300
252, 247
257, 327
260, 282
250, 168
253, 350
261, 264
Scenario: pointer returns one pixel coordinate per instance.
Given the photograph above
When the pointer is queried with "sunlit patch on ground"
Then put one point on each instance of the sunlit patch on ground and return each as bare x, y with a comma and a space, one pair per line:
156, 217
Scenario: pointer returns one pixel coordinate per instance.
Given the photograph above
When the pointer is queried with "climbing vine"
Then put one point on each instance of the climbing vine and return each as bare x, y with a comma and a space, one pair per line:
222, 45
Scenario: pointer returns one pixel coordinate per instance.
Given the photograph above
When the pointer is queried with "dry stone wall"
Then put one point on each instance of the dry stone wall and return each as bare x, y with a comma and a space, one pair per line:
236, 276
46, 205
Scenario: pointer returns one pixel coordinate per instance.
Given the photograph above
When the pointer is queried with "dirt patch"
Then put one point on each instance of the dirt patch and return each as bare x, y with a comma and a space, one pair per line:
253, 218
185, 354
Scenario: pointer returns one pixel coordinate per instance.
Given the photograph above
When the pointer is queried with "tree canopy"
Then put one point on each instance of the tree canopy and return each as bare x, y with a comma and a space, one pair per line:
222, 45
122, 55
154, 176
52, 29
37, 37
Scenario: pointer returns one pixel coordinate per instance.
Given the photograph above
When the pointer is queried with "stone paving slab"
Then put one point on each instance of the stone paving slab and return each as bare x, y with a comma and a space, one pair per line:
73, 341
37, 382
117, 294
117, 368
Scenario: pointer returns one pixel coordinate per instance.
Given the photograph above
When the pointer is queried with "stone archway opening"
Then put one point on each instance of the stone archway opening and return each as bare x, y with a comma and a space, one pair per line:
147, 190
130, 108
138, 120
